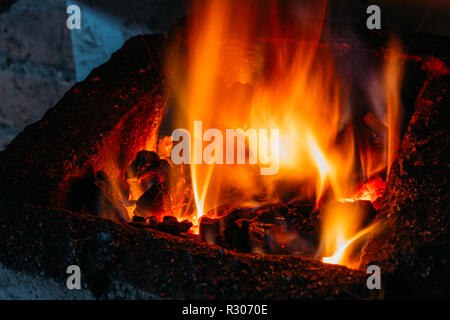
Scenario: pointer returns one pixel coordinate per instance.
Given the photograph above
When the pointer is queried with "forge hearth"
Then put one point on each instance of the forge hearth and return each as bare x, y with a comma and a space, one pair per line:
66, 182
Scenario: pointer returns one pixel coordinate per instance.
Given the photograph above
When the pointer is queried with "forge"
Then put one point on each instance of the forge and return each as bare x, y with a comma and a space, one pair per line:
362, 179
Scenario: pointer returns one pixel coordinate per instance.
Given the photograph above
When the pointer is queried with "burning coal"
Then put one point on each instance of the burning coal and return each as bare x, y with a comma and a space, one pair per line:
316, 155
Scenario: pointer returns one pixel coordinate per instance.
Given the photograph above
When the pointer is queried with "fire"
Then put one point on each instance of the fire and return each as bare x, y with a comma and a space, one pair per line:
200, 201
290, 82
322, 166
370, 191
392, 76
342, 245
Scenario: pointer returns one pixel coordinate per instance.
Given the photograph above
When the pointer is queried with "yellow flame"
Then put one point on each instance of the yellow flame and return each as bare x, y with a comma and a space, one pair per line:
321, 163
342, 245
200, 201
234, 79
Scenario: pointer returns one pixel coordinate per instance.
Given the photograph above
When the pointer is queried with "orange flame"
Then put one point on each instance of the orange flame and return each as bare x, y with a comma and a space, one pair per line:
236, 79
339, 256
393, 75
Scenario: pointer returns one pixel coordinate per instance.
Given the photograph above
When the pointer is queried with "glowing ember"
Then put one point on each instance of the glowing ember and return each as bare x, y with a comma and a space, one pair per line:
371, 191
